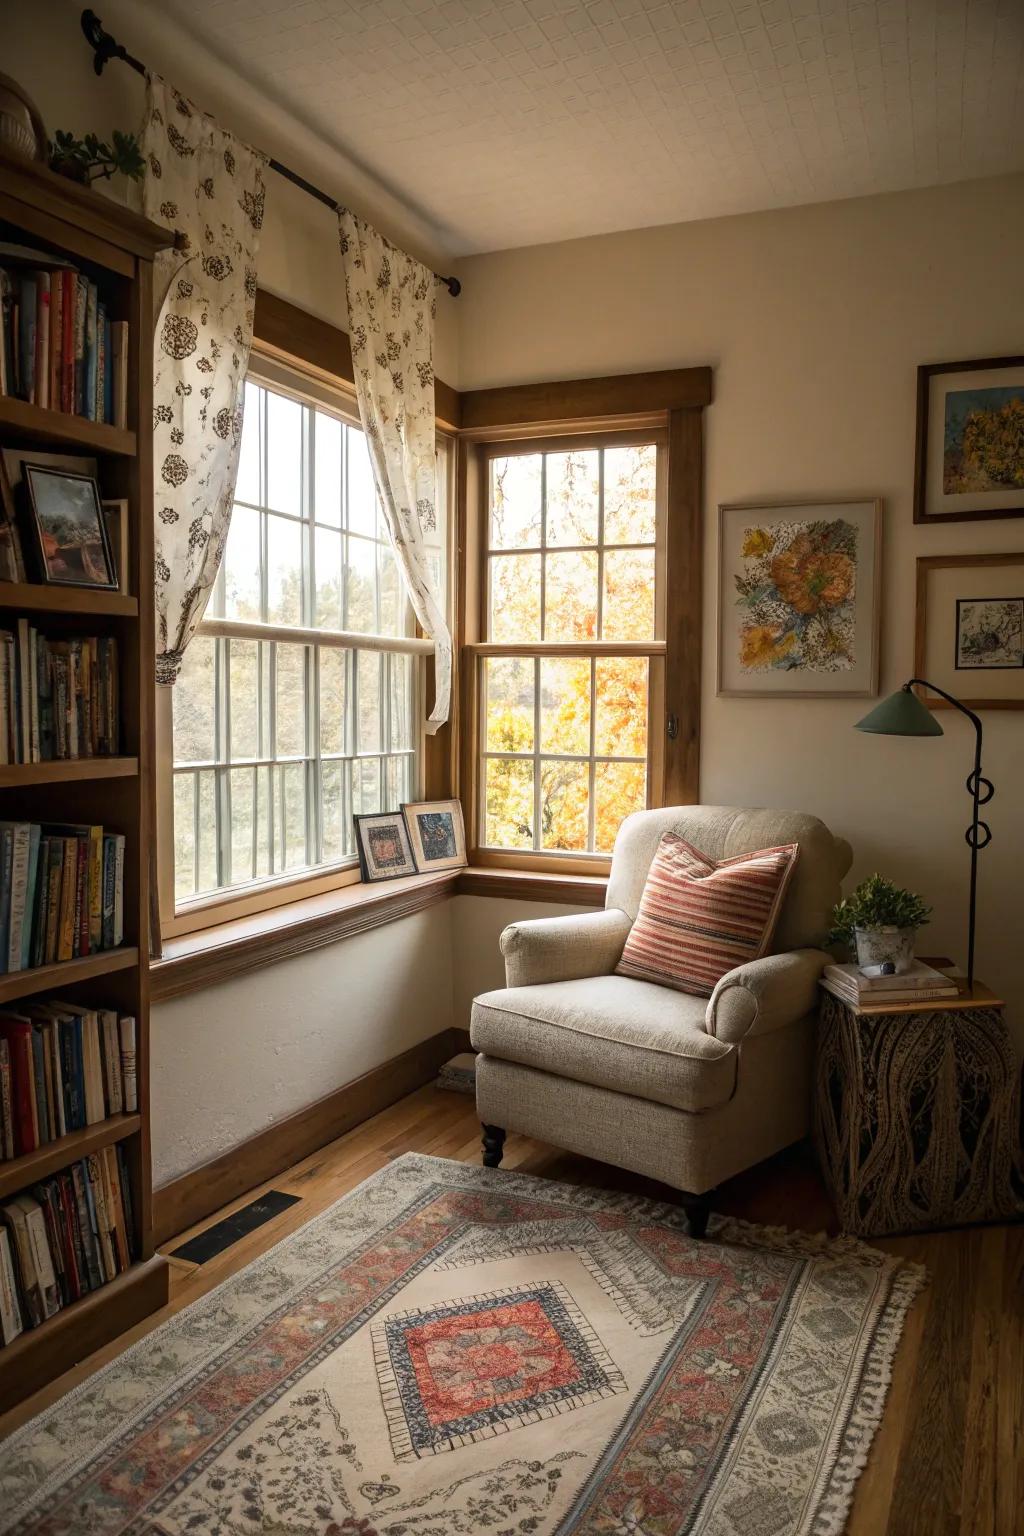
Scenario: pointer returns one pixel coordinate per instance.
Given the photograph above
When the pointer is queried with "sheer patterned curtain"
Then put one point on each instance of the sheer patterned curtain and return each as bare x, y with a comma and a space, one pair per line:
209, 188
391, 305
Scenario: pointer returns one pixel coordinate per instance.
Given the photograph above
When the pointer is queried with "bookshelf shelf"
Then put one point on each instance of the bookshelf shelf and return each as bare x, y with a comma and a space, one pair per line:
67, 771
34, 597
45, 426
19, 1172
66, 973
38, 1355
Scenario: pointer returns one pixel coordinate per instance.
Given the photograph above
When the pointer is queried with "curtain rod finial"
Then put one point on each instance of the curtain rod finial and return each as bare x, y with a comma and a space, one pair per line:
102, 44
453, 285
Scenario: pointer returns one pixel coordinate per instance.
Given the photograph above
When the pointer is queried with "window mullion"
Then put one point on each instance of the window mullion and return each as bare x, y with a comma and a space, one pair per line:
536, 753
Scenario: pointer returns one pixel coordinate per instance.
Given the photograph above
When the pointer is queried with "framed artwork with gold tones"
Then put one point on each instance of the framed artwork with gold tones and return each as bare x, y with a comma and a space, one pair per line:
970, 441
969, 630
798, 599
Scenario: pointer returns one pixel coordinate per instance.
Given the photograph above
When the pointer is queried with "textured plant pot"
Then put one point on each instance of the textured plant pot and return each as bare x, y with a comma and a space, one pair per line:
876, 946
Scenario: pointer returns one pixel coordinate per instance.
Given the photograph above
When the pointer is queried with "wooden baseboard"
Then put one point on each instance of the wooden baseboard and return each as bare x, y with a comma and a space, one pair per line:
183, 1202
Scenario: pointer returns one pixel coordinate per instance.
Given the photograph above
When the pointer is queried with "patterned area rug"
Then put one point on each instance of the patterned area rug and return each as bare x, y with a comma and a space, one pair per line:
451, 1350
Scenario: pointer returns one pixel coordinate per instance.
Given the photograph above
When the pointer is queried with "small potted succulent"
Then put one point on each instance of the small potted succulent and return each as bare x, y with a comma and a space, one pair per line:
90, 159
880, 922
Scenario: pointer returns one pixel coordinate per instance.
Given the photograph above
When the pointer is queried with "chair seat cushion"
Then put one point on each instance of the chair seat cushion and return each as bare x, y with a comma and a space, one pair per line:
612, 1032
701, 917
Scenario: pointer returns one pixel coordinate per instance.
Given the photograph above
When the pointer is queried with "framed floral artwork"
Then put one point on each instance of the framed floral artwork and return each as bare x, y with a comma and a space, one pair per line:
969, 630
436, 833
970, 441
798, 599
382, 841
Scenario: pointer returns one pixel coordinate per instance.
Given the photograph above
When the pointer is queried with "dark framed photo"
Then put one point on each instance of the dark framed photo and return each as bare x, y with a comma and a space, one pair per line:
437, 834
969, 637
989, 633
68, 527
970, 441
382, 842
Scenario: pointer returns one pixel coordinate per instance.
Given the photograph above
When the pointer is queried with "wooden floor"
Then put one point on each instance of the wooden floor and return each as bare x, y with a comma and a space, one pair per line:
949, 1457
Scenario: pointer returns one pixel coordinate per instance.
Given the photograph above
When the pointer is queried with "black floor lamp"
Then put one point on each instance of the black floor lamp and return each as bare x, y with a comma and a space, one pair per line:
904, 714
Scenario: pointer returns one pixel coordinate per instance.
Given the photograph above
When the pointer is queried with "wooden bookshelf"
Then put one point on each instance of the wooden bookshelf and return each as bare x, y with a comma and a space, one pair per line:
116, 248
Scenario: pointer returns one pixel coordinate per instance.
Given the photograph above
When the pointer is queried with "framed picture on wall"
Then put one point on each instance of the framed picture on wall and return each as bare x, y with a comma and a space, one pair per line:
970, 441
969, 632
798, 599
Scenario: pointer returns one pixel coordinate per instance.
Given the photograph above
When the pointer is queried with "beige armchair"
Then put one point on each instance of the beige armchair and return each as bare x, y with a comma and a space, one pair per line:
684, 1089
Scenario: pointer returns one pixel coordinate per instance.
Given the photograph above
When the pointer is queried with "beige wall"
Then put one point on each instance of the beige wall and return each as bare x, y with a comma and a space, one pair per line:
814, 320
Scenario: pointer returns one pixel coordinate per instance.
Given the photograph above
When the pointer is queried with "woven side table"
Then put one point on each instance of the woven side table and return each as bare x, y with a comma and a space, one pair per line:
918, 1114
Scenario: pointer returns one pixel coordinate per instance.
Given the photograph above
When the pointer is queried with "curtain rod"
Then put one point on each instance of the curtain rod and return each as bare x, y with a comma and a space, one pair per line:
105, 47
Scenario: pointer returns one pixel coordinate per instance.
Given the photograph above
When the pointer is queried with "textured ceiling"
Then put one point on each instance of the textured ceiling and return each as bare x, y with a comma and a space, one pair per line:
513, 122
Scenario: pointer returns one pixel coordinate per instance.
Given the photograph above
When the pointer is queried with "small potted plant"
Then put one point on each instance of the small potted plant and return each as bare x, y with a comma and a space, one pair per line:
90, 159
880, 922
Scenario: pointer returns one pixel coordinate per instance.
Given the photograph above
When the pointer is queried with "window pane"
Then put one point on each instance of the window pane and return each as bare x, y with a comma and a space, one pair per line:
399, 781
565, 705
291, 701
572, 497
332, 699
243, 789
284, 571
570, 597
508, 703
564, 803
332, 816
207, 831
628, 612
515, 597
327, 469
515, 501
366, 787
361, 585
247, 485
619, 789
508, 794
629, 494
620, 727
400, 668
362, 492
263, 809
392, 602
284, 454
368, 696
327, 556
242, 587
291, 839
244, 700
184, 833
194, 696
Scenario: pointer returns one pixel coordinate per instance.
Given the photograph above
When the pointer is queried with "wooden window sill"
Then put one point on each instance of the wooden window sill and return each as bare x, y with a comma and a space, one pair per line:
197, 960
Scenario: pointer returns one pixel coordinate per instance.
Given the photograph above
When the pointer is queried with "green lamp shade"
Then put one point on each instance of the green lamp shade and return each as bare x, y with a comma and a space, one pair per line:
901, 714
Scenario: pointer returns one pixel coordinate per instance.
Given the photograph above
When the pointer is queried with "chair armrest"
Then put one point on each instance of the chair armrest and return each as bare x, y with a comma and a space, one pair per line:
563, 948
765, 994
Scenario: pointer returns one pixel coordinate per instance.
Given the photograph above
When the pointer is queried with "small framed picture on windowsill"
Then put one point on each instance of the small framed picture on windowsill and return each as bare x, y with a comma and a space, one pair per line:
437, 834
382, 842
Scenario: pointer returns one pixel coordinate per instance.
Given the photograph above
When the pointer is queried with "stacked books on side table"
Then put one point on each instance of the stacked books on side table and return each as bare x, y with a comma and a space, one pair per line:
920, 984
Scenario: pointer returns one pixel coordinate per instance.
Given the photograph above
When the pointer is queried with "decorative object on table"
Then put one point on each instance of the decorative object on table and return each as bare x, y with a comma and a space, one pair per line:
68, 527
920, 983
92, 159
437, 833
917, 1112
21, 126
904, 714
880, 921
970, 441
459, 1074
115, 515
798, 603
382, 842
969, 628
648, 1382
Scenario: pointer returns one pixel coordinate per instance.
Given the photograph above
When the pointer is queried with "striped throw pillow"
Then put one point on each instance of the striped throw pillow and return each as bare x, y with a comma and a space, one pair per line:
699, 919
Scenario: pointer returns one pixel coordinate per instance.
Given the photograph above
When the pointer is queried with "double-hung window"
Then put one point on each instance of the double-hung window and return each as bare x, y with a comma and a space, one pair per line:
300, 699
569, 667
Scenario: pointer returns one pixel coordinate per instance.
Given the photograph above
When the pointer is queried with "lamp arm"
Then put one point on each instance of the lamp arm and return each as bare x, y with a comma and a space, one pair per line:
922, 682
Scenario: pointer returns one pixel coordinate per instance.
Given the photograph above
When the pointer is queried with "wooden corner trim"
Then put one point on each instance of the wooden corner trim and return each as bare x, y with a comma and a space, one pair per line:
619, 395
247, 944
181, 1203
528, 885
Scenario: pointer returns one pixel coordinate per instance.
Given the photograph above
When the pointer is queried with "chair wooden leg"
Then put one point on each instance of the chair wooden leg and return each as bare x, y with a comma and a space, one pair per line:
494, 1143
697, 1209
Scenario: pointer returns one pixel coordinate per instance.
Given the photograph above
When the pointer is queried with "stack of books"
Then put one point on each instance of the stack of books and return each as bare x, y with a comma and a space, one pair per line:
61, 892
59, 348
67, 1236
921, 984
63, 1066
58, 697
